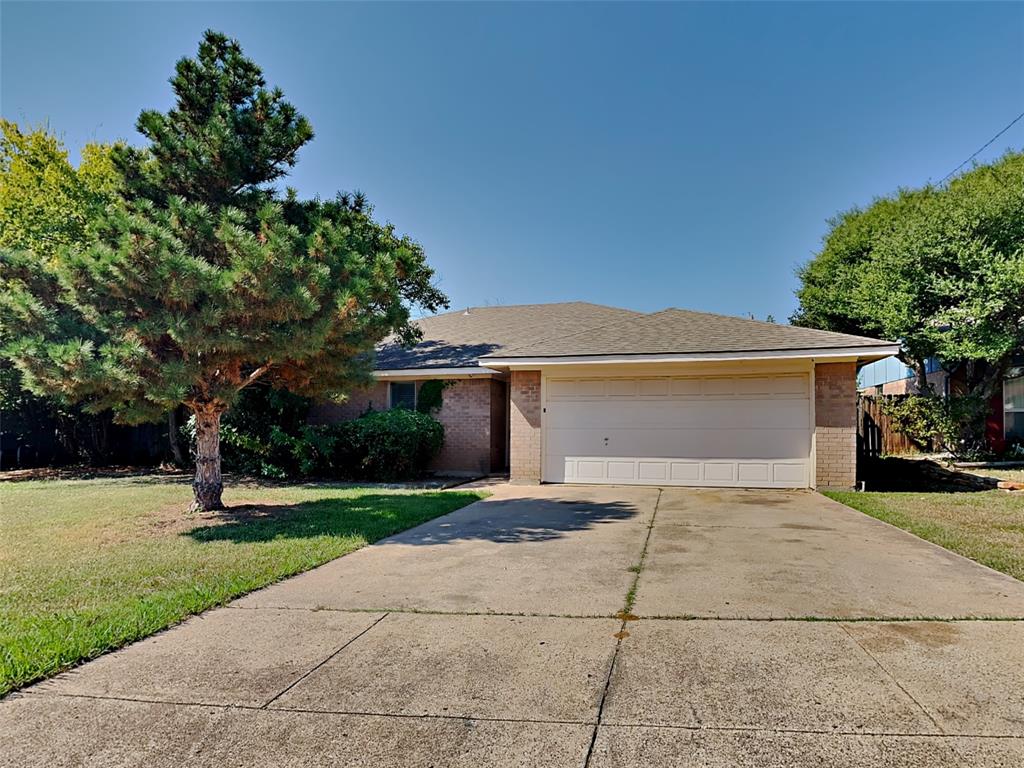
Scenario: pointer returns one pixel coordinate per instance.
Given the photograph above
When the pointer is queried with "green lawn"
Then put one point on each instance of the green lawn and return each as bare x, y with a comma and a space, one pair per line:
90, 565
986, 526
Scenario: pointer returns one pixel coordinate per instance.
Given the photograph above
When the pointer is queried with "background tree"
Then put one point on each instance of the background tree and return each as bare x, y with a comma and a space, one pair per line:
46, 206
941, 269
206, 279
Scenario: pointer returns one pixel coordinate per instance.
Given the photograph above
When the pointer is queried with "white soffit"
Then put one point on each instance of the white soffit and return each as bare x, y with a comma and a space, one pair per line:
835, 354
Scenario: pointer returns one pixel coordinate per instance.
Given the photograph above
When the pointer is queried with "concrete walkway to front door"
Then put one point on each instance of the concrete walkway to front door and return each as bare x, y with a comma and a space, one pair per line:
765, 628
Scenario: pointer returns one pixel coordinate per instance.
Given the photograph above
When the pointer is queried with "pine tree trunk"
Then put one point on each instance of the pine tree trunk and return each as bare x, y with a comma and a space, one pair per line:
208, 483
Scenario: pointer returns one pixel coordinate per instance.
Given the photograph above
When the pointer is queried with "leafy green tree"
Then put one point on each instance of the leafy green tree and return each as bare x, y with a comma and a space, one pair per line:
207, 279
46, 206
941, 269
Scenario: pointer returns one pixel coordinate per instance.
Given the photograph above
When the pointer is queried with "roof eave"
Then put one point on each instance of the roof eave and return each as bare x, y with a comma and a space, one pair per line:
859, 354
437, 372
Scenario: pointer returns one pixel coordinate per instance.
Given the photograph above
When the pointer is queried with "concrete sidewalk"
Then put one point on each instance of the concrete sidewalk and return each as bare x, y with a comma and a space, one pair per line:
493, 636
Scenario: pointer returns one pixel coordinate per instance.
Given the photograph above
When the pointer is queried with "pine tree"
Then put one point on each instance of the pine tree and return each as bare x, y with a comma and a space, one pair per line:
205, 279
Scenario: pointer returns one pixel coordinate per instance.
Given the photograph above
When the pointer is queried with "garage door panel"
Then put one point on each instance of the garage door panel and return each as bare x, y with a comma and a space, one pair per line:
621, 388
754, 385
684, 472
654, 471
682, 444
784, 473
732, 431
646, 414
798, 386
713, 473
754, 472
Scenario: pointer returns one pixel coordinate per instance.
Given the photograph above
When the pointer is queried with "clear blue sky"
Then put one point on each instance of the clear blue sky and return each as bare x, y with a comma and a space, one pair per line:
639, 155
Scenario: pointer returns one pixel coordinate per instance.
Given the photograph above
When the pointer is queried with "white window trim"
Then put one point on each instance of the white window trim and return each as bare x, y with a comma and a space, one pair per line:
1009, 410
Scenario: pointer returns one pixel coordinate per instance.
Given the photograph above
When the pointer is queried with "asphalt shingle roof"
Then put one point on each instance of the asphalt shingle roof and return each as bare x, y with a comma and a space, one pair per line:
457, 339
680, 331
466, 338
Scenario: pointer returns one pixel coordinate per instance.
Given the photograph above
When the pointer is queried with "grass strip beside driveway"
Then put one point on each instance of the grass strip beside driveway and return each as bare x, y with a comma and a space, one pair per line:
87, 566
987, 526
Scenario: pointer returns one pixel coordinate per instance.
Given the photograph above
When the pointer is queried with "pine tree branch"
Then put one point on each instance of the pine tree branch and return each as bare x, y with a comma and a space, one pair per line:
255, 375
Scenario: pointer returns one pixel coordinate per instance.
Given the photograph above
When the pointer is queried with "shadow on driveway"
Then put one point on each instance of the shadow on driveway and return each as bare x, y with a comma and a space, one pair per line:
371, 516
515, 521
374, 516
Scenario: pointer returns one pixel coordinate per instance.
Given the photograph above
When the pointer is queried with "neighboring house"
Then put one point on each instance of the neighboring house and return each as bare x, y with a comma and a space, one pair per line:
582, 393
894, 377
1005, 423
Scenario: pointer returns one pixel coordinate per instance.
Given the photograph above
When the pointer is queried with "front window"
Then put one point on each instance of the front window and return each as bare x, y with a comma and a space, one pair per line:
1013, 408
403, 394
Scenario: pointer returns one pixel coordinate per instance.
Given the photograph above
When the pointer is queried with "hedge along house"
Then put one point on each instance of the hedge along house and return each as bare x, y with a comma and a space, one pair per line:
583, 393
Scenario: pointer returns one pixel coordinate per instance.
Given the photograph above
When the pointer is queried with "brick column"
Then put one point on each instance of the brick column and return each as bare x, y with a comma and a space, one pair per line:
524, 426
835, 424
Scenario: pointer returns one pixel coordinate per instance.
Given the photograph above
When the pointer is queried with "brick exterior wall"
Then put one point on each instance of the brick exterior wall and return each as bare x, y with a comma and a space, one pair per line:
835, 424
909, 386
359, 402
466, 415
524, 425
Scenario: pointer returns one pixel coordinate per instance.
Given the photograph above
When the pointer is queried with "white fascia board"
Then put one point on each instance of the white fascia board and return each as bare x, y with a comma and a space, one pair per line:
836, 354
465, 372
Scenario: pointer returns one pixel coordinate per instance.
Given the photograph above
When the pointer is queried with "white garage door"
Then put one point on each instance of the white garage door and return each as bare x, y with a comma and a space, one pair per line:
745, 431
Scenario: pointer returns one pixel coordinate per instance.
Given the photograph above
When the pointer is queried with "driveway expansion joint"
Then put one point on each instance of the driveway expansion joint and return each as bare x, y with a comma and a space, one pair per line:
433, 612
651, 617
622, 634
838, 619
814, 732
531, 721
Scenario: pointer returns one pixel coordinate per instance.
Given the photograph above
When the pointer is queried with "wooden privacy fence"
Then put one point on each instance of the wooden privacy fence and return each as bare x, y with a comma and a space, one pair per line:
875, 432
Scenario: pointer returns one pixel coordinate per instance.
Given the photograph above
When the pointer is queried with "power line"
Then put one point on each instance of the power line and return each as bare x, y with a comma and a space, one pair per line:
984, 147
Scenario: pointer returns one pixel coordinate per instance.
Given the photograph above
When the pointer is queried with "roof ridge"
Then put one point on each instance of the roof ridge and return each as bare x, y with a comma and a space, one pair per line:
536, 304
765, 322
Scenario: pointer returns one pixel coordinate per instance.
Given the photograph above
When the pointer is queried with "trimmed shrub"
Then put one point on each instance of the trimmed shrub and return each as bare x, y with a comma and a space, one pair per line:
385, 445
378, 446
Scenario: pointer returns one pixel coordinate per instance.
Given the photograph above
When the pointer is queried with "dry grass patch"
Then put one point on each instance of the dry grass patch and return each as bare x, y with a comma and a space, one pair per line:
1015, 474
90, 565
985, 526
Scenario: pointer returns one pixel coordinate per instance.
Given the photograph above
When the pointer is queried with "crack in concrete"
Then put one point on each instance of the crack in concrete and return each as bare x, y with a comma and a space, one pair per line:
892, 677
317, 666
303, 710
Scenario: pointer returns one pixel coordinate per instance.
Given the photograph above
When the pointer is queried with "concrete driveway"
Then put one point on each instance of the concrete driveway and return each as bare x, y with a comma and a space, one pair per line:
495, 636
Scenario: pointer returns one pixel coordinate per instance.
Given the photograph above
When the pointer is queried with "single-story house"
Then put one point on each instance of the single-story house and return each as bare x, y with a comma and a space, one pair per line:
583, 393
